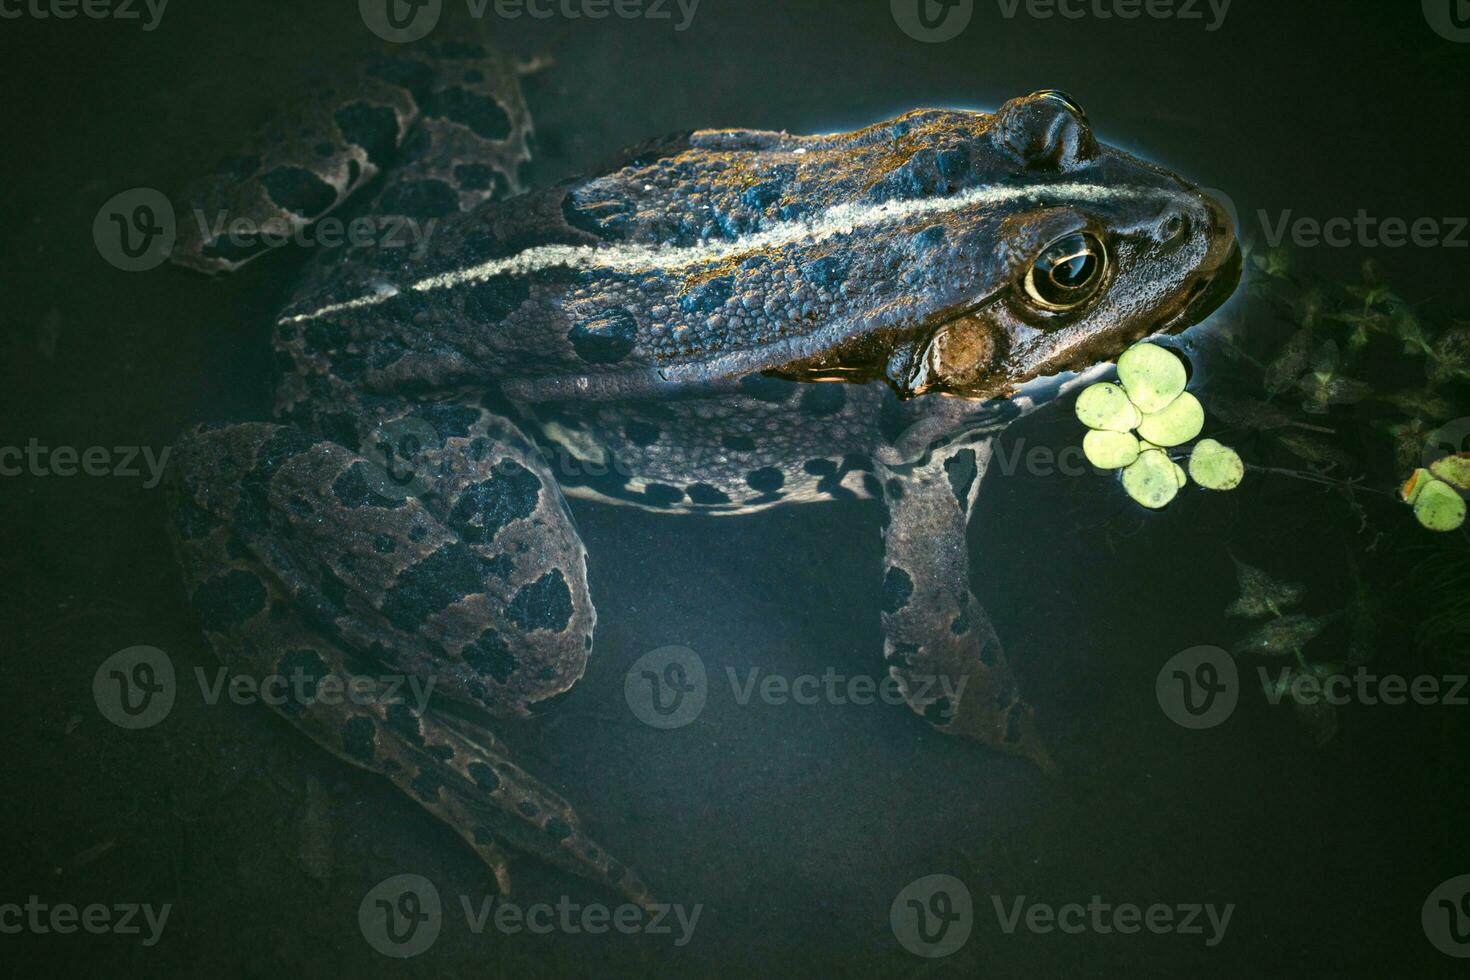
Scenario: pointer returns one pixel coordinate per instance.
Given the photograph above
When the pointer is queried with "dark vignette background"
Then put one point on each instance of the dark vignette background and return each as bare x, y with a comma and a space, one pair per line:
794, 826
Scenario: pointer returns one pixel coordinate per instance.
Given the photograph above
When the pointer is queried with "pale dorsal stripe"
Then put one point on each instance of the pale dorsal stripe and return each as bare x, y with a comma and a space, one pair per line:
843, 219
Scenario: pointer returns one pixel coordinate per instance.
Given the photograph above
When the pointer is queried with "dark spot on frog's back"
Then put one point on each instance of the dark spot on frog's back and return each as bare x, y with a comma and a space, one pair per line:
708, 296
929, 238
496, 298
545, 604
662, 495
483, 509
606, 337
444, 577
490, 654
828, 272
450, 419
897, 588
481, 114
351, 490
706, 495
960, 468
485, 777
474, 176
767, 479
298, 191
372, 127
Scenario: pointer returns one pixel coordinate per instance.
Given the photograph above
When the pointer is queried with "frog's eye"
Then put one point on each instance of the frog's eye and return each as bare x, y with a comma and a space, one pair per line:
1067, 272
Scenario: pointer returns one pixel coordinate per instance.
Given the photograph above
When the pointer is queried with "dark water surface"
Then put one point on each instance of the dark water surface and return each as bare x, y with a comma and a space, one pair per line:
792, 826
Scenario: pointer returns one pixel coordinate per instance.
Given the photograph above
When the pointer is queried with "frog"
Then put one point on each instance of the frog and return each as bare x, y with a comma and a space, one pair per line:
716, 322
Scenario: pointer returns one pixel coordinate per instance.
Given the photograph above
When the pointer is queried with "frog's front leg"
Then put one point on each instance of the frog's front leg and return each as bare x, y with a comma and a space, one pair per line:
939, 643
304, 562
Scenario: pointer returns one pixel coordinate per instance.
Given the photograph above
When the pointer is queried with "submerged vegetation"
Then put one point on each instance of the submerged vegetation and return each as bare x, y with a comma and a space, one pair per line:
1351, 389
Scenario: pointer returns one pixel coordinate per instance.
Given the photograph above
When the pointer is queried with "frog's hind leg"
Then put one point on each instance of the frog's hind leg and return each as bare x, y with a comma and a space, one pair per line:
939, 643
446, 121
305, 575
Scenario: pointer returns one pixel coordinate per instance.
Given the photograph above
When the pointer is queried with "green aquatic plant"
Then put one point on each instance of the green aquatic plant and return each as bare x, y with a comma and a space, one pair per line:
1316, 403
1437, 502
1133, 424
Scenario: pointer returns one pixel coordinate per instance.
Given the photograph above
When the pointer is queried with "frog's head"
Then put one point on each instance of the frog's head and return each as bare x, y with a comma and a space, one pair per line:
1060, 254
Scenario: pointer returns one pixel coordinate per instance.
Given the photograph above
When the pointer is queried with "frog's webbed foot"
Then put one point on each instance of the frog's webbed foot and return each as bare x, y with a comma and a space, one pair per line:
939, 643
302, 564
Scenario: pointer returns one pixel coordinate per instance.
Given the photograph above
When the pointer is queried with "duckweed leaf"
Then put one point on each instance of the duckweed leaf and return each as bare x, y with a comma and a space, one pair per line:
1454, 470
1174, 424
1110, 450
1150, 479
1151, 375
1415, 484
1260, 594
1438, 507
1215, 467
1106, 407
